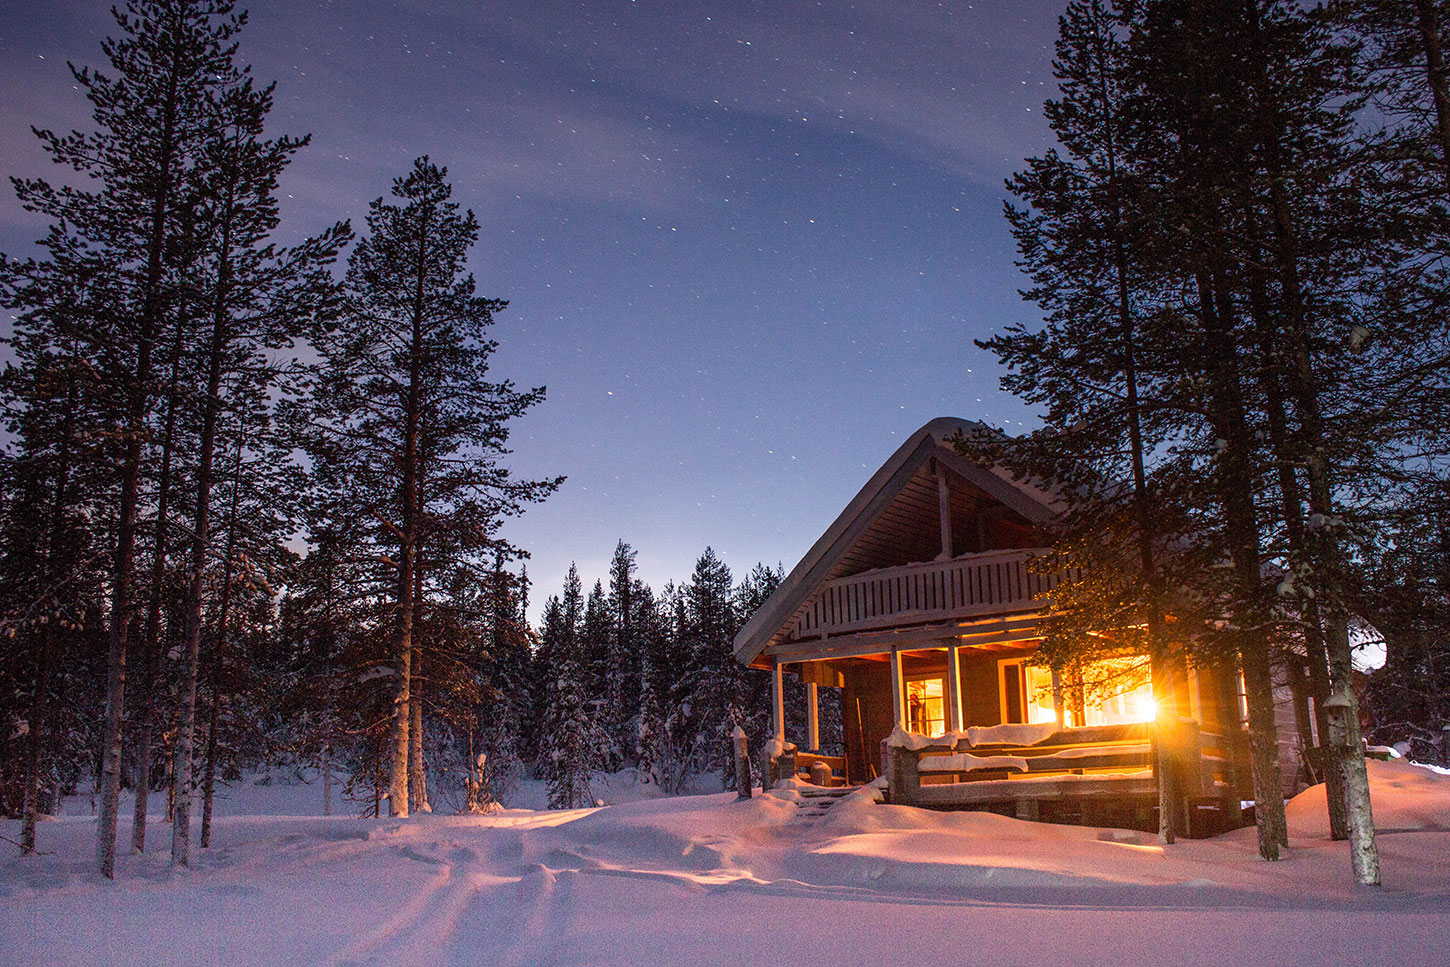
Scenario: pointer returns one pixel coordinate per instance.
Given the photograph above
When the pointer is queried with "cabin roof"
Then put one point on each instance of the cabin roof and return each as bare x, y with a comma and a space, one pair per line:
895, 515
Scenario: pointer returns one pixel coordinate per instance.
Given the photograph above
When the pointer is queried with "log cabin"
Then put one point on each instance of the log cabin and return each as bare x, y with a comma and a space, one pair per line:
921, 604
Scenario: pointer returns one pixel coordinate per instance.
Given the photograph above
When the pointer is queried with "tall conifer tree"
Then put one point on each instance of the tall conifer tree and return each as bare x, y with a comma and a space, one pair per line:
408, 414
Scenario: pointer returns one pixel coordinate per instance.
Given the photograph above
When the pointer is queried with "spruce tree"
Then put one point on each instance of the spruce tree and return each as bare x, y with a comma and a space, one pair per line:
567, 744
713, 696
596, 635
625, 674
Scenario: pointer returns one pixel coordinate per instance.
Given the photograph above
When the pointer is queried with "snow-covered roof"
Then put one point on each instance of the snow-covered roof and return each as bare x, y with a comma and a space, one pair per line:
849, 543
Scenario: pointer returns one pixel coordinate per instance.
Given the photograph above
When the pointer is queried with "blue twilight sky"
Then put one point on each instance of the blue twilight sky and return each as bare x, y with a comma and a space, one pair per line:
746, 245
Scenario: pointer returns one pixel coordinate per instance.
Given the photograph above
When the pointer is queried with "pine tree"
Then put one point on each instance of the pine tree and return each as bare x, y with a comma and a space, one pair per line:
408, 416
51, 567
1081, 240
1195, 245
259, 299
170, 59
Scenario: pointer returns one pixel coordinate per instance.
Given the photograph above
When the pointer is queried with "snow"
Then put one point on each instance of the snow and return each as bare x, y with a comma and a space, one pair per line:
709, 879
1017, 734
966, 762
1088, 753
1011, 734
915, 741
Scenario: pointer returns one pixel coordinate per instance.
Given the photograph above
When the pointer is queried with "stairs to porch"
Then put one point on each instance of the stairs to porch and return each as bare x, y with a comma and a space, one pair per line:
815, 803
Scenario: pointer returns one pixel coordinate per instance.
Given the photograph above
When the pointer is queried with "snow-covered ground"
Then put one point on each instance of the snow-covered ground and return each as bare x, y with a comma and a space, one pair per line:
708, 880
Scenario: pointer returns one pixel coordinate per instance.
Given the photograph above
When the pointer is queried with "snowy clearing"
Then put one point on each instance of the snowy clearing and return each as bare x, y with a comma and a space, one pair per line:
708, 880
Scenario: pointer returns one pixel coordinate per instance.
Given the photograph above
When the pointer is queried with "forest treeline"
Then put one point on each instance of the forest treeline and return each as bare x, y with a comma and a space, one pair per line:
254, 491
189, 401
1239, 245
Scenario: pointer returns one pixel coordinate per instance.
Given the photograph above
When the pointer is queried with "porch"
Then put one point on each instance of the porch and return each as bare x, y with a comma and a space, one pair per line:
1096, 775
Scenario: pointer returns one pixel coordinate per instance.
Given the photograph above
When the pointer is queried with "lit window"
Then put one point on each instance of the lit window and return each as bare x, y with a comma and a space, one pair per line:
1026, 693
1116, 691
926, 707
1111, 691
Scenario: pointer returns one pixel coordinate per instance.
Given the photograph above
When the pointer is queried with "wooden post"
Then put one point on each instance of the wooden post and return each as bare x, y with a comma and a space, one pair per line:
777, 698
898, 690
1194, 779
903, 777
813, 718
944, 506
742, 764
1057, 708
954, 686
1195, 697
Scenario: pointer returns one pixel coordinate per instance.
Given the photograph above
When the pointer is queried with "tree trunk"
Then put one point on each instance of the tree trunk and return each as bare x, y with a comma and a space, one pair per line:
137, 406
402, 683
1292, 508
1327, 556
170, 741
45, 666
151, 641
417, 774
398, 801
214, 665
1234, 480
30, 804
200, 538
417, 777
1436, 76
327, 776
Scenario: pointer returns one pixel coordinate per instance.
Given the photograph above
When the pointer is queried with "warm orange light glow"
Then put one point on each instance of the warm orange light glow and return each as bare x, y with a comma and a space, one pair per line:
1116, 691
1143, 707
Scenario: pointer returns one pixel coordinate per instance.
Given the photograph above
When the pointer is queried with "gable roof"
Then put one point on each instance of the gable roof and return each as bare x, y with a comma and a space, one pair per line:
845, 546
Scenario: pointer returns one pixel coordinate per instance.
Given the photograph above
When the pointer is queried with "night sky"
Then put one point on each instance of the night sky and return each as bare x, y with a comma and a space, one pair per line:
746, 245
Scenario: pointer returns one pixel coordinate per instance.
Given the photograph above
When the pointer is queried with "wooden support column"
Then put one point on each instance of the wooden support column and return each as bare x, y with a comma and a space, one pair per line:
777, 700
944, 506
1057, 699
954, 686
898, 690
813, 718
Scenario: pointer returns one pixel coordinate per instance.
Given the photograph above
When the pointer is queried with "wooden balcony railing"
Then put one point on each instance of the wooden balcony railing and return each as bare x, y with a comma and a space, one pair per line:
996, 582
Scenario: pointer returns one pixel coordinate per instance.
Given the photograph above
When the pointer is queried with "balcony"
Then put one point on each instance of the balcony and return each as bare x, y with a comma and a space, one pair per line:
970, 586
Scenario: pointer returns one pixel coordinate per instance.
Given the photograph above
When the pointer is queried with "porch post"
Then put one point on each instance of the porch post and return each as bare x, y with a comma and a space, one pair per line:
813, 718
1057, 699
777, 699
954, 686
898, 690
